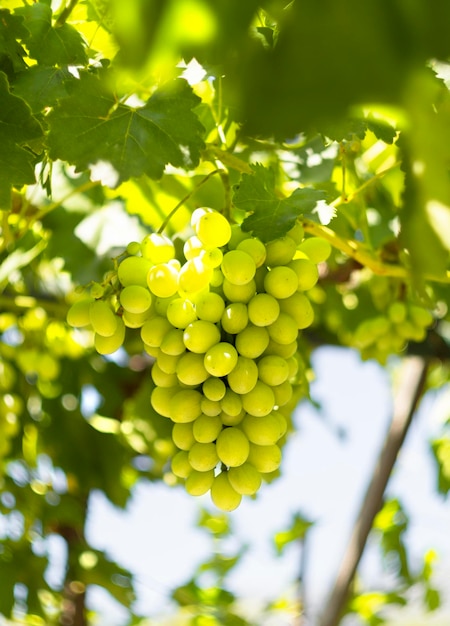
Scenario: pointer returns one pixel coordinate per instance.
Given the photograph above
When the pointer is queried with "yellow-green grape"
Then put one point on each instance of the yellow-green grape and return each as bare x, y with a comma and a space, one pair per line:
299, 308
191, 370
280, 251
133, 271
160, 305
211, 407
213, 229
232, 446
283, 393
281, 282
234, 318
157, 248
260, 400
168, 362
200, 336
220, 359
181, 312
245, 479
108, 345
273, 370
135, 299
183, 435
263, 309
264, 431
293, 366
420, 316
180, 464
192, 247
260, 277
252, 341
78, 314
231, 403
185, 405
316, 249
209, 307
255, 248
211, 258
368, 331
160, 399
206, 428
134, 248
214, 389
243, 376
194, 276
135, 320
97, 290
284, 329
161, 378
154, 330
297, 232
203, 456
265, 459
198, 483
237, 235
216, 278
238, 267
172, 342
307, 273
103, 319
232, 420
397, 312
223, 495
238, 293
162, 280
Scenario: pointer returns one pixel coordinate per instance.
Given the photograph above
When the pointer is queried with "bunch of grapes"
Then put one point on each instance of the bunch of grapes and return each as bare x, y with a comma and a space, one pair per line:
222, 327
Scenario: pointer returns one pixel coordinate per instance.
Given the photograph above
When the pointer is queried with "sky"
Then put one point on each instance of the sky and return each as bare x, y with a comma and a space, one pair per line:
326, 467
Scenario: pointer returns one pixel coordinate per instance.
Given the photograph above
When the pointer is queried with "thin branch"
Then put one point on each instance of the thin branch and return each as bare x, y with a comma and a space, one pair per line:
65, 13
414, 372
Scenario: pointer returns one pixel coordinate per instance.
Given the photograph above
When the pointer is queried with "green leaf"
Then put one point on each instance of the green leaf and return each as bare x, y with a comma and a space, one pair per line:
90, 126
296, 532
441, 452
271, 216
49, 45
42, 87
11, 52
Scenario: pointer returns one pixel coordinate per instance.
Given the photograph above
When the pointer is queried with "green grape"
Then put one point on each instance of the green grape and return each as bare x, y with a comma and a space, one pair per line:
264, 431
185, 406
103, 319
282, 421
108, 345
191, 370
135, 320
183, 435
216, 278
237, 235
211, 407
296, 233
220, 359
154, 330
232, 446
260, 400
238, 293
231, 403
397, 312
273, 370
162, 280
181, 312
255, 248
243, 376
160, 399
135, 299
78, 314
200, 336
299, 308
293, 365
180, 464
133, 271
198, 483
211, 258
284, 329
168, 363
283, 393
172, 342
252, 341
152, 351
307, 273
157, 248
245, 479
97, 291
420, 316
209, 307
280, 251
133, 248
203, 456
192, 248
213, 229
161, 378
214, 389
284, 350
234, 318
265, 459
263, 309
232, 420
223, 495
281, 282
194, 276
316, 249
260, 277
238, 267
206, 428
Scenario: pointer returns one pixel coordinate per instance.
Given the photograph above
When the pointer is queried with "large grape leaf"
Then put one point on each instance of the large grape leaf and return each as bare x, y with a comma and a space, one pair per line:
50, 45
18, 128
41, 87
271, 216
91, 126
11, 52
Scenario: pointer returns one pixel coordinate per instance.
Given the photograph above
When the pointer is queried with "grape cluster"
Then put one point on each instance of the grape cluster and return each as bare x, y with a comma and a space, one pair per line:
222, 327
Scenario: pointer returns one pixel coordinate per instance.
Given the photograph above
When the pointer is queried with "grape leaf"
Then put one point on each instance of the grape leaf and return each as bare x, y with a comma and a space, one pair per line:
91, 126
18, 128
49, 45
271, 216
11, 52
42, 86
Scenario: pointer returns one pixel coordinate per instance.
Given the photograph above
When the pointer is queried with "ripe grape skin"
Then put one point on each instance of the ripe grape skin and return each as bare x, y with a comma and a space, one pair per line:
135, 299
284, 329
238, 267
161, 378
255, 248
280, 251
307, 273
206, 428
214, 389
232, 446
238, 293
109, 345
264, 431
234, 318
209, 307
281, 282
265, 459
232, 420
194, 276
211, 407
213, 229
199, 336
260, 400
154, 330
223, 495
252, 341
231, 403
133, 270
203, 456
180, 464
173, 343
263, 309
102, 318
162, 280
273, 369
191, 370
181, 313
245, 479
78, 313
243, 376
157, 248
160, 399
316, 249
183, 435
220, 359
185, 406
198, 483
